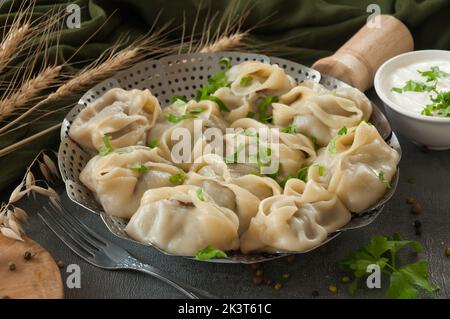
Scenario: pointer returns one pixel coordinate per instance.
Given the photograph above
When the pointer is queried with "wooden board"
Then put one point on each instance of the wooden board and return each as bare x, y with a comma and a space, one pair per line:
38, 277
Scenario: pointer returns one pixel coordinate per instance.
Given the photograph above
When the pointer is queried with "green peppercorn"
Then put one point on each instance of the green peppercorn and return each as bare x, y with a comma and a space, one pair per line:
285, 275
345, 279
332, 289
410, 200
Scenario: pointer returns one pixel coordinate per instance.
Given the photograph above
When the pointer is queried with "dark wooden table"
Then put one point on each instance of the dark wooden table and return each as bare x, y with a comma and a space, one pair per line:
309, 272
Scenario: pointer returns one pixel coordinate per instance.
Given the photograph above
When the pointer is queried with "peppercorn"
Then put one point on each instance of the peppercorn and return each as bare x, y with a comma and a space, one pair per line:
259, 273
27, 255
332, 289
447, 252
277, 286
60, 264
409, 200
285, 275
417, 224
416, 208
345, 279
11, 266
257, 280
290, 259
315, 294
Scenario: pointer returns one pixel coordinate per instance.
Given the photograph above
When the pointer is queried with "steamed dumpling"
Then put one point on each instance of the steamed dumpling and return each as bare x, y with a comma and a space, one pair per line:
358, 166
295, 223
318, 113
120, 178
180, 222
261, 78
124, 116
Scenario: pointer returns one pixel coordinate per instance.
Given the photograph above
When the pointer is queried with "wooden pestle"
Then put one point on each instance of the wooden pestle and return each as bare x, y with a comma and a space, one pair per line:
357, 61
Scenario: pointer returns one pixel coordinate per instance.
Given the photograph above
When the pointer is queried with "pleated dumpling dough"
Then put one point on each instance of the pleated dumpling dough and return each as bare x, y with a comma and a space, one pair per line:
268, 79
119, 179
295, 223
125, 116
180, 222
358, 166
318, 113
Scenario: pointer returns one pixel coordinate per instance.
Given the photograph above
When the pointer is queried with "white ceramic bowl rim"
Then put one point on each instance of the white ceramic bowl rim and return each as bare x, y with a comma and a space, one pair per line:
396, 60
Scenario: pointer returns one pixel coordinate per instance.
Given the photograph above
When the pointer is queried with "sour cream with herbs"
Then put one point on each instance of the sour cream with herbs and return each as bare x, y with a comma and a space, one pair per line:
417, 101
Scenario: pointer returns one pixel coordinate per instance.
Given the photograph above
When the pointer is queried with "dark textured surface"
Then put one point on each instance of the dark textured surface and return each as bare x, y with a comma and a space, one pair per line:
309, 272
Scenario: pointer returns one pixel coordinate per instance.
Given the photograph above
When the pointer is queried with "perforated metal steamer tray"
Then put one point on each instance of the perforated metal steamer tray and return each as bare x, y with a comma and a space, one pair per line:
183, 75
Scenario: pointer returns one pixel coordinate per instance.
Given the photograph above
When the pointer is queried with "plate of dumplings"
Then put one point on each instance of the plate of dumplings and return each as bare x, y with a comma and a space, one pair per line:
334, 159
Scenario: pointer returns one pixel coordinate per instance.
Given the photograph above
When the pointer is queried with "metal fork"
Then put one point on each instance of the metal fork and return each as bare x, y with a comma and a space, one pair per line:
101, 252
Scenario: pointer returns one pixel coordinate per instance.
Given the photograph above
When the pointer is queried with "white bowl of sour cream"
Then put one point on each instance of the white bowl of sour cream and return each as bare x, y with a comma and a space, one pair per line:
415, 89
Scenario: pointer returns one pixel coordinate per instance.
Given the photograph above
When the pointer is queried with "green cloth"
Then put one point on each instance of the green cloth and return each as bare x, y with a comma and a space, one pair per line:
311, 28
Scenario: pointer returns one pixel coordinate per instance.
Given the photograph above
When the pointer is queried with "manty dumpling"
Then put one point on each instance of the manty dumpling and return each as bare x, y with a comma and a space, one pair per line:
295, 223
183, 220
124, 116
216, 184
358, 167
268, 79
119, 179
319, 114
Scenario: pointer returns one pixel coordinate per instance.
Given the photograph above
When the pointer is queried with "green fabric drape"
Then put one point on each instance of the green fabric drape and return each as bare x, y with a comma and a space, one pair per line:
315, 28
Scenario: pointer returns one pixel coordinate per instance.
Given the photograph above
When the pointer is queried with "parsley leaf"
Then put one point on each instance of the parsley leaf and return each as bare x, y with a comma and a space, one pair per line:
199, 193
177, 178
433, 74
177, 98
263, 106
291, 129
173, 118
140, 168
107, 147
413, 86
153, 143
332, 144
226, 62
210, 252
383, 179
246, 80
404, 281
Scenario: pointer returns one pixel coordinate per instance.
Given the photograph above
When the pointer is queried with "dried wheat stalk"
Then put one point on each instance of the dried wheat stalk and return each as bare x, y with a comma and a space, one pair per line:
11, 216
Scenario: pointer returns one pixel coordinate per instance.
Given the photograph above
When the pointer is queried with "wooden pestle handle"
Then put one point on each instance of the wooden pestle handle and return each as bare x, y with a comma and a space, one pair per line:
357, 61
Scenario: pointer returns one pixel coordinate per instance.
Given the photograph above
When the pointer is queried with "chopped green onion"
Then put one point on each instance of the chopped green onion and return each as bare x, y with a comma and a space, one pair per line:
173, 118
181, 98
107, 147
210, 252
382, 179
226, 62
250, 115
291, 129
153, 143
199, 193
140, 168
246, 80
263, 106
177, 178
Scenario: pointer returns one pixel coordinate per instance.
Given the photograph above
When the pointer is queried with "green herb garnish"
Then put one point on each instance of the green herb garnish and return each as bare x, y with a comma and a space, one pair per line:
413, 86
233, 158
199, 193
173, 118
332, 145
250, 115
107, 147
153, 143
383, 179
140, 168
226, 62
302, 173
177, 98
440, 105
320, 168
433, 74
205, 94
246, 80
210, 252
404, 282
263, 106
197, 110
314, 141
291, 129
177, 178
